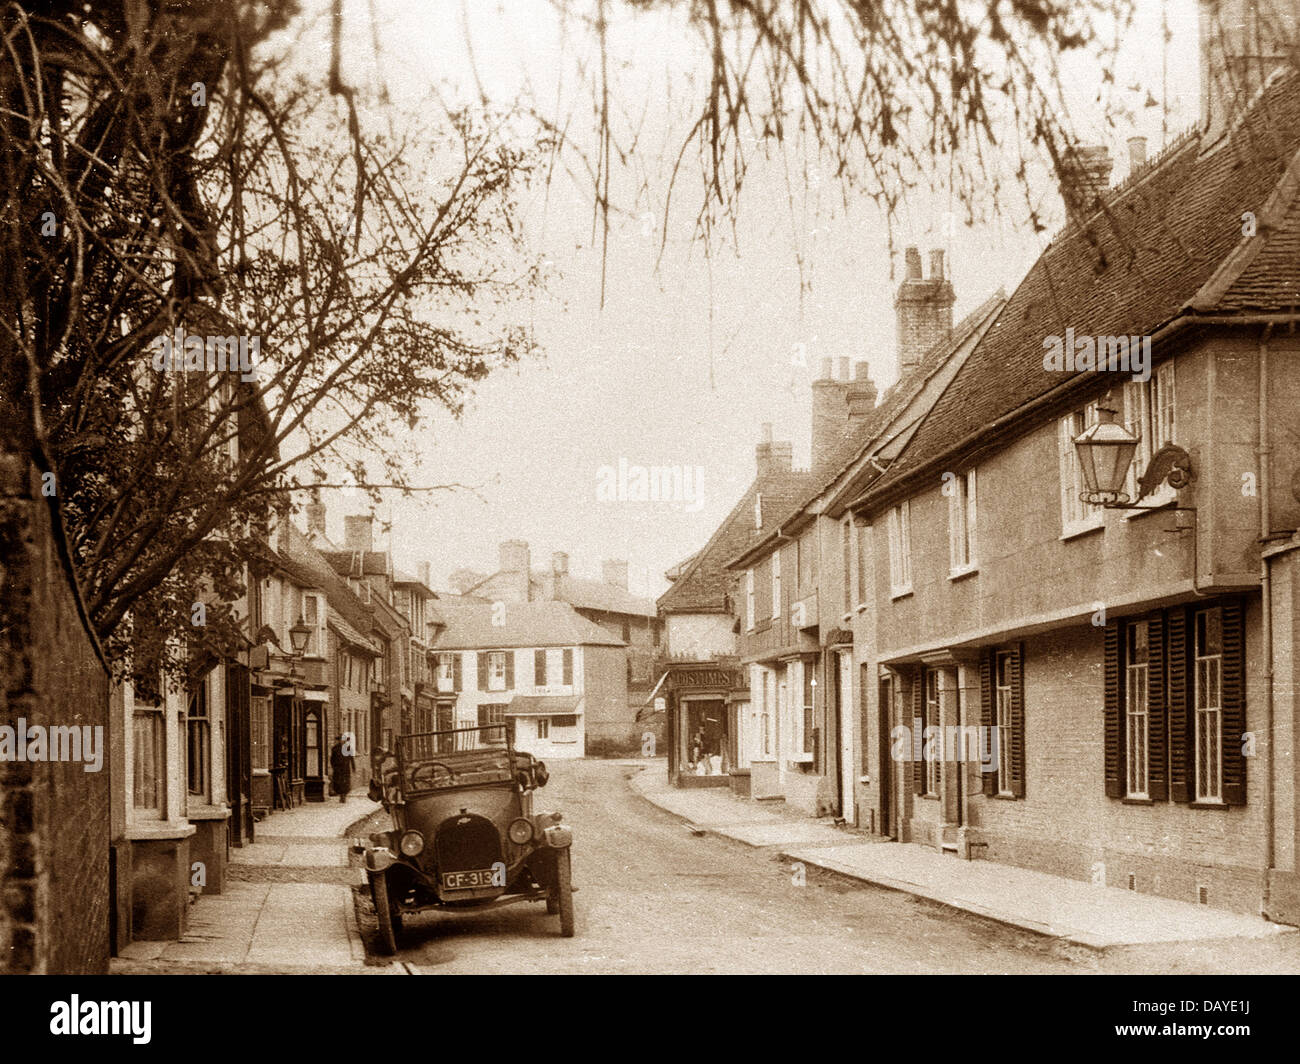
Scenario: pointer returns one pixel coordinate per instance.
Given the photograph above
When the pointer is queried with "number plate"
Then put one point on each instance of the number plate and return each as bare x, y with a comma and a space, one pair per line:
479, 877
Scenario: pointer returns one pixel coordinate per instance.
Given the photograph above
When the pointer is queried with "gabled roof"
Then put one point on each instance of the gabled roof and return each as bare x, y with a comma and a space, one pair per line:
702, 587
524, 624
1167, 245
297, 551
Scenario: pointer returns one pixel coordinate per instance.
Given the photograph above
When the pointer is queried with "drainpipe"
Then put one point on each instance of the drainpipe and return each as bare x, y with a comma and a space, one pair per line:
1266, 591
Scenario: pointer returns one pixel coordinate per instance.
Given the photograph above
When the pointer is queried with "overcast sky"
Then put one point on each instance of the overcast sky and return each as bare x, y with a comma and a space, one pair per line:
647, 379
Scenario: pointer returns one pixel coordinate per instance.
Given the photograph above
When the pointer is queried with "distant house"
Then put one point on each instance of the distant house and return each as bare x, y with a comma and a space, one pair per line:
540, 669
607, 603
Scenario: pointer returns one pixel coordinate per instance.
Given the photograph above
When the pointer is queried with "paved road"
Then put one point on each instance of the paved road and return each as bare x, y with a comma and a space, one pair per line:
654, 898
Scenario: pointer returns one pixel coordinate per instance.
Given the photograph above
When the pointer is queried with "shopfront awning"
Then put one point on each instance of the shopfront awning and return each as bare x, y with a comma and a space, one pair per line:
543, 706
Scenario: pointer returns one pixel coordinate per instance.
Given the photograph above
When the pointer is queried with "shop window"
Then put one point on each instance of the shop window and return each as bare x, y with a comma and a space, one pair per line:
259, 732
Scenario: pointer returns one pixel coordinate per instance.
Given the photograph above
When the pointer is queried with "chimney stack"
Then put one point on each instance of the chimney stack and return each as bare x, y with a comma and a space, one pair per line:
359, 532
862, 395
1137, 154
514, 556
830, 413
1085, 176
614, 573
1241, 43
924, 309
315, 515
772, 457
425, 575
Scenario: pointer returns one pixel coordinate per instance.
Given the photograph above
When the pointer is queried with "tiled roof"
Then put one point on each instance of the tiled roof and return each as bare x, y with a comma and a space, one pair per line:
606, 598
297, 550
702, 588
357, 563
1131, 269
526, 624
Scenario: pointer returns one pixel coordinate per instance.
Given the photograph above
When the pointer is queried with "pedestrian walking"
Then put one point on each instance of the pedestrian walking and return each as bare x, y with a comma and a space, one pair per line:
342, 766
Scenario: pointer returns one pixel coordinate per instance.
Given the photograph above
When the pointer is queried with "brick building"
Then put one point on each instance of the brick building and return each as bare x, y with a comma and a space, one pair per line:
1127, 676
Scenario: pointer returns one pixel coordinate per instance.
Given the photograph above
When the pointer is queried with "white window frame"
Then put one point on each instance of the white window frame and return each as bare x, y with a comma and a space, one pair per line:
543, 727
846, 553
496, 670
962, 556
862, 546
1137, 756
749, 600
1208, 723
900, 550
446, 672
1076, 515
1150, 413
758, 510
776, 584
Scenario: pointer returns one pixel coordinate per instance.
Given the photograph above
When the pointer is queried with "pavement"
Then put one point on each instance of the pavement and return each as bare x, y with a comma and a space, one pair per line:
287, 906
1068, 910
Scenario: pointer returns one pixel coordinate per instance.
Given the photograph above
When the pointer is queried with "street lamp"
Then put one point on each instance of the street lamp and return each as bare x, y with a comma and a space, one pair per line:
298, 636
1105, 451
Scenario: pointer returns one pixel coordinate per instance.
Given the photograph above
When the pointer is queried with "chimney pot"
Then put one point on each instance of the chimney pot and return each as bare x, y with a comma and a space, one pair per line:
936, 264
514, 556
826, 370
766, 436
912, 257
560, 563
844, 369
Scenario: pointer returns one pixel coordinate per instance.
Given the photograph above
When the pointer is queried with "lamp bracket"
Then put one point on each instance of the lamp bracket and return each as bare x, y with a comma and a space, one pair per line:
1170, 463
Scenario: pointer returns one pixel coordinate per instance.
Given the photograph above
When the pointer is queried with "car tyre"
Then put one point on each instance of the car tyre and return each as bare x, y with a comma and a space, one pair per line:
385, 915
562, 892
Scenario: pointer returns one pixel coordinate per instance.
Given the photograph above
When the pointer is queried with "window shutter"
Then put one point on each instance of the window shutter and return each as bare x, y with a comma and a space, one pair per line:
1157, 747
510, 670
568, 665
1113, 714
482, 670
455, 671
1018, 721
988, 716
918, 730
539, 668
1177, 709
483, 715
1234, 702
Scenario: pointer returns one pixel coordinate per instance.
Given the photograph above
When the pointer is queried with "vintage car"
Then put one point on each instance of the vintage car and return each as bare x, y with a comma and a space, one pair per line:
464, 832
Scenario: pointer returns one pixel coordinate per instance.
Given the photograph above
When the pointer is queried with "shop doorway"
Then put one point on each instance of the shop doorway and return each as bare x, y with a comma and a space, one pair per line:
705, 738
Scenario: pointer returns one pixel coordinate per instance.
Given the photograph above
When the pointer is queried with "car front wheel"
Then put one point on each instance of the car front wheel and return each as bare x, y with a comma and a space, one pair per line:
388, 919
561, 895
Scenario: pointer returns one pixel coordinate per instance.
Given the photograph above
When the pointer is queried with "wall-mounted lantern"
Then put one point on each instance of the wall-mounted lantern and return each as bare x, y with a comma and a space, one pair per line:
1105, 451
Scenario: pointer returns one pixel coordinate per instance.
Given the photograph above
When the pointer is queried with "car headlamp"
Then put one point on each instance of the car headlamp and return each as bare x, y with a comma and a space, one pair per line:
521, 831
412, 843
